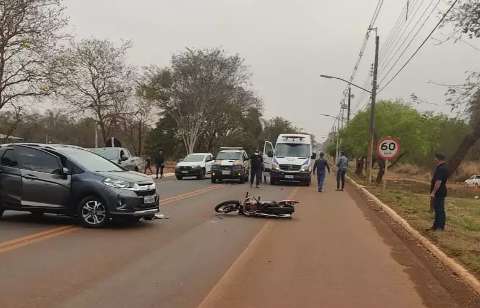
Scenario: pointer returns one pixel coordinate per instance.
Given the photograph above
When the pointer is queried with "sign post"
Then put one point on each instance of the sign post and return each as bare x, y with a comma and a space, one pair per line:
388, 148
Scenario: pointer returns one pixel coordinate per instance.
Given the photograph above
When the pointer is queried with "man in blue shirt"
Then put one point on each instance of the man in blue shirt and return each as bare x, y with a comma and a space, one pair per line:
320, 167
342, 166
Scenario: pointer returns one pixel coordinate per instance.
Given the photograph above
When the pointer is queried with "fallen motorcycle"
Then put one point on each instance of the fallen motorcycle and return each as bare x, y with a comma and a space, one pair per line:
252, 206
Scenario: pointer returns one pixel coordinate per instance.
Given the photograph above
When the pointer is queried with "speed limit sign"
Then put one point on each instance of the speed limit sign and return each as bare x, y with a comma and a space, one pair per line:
388, 148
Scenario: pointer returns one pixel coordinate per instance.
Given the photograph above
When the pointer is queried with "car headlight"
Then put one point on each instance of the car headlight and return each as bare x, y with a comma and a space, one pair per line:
197, 167
275, 166
305, 168
120, 184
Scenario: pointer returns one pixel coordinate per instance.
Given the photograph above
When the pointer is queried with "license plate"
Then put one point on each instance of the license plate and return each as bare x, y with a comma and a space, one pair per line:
226, 172
185, 172
149, 199
289, 176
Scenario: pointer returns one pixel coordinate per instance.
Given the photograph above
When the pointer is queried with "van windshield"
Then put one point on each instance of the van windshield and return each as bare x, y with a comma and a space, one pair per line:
292, 150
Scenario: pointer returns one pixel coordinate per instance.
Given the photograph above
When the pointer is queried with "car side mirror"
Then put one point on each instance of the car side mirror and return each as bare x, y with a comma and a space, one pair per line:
61, 171
123, 158
270, 154
314, 155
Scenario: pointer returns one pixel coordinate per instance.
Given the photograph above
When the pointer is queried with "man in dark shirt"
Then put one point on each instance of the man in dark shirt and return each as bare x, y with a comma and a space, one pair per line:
256, 168
438, 192
320, 167
159, 163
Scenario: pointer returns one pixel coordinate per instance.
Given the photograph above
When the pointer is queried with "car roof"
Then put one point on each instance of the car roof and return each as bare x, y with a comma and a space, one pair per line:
107, 148
200, 154
43, 146
232, 151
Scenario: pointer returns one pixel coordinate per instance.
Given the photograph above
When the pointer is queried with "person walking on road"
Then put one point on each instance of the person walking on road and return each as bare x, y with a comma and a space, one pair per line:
159, 163
320, 167
148, 165
438, 192
256, 168
342, 166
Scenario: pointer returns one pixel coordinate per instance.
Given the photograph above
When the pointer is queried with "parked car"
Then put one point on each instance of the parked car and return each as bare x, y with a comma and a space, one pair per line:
231, 163
69, 180
474, 180
195, 164
122, 157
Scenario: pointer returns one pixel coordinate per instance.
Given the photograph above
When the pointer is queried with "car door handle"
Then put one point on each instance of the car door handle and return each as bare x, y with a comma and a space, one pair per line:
31, 177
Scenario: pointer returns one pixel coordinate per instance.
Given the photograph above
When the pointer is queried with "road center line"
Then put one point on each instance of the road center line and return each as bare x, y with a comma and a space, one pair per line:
215, 292
188, 195
36, 237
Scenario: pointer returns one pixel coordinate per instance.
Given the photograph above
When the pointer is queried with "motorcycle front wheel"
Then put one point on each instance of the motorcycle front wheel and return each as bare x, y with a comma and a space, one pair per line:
228, 206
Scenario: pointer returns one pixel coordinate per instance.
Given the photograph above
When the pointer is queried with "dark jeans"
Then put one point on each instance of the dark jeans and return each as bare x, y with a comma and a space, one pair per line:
440, 217
160, 170
341, 178
255, 174
320, 180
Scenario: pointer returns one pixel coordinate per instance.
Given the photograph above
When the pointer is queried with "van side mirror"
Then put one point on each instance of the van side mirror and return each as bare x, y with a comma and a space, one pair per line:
270, 154
314, 156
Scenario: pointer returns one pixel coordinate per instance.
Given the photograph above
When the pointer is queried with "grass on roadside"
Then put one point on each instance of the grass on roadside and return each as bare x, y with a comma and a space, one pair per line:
461, 240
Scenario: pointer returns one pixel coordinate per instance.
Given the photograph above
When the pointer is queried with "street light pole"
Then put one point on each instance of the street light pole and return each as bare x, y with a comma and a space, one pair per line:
349, 106
371, 130
96, 134
336, 131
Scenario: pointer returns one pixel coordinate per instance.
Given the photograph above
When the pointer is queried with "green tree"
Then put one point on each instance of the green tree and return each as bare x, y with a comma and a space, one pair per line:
421, 135
203, 87
276, 126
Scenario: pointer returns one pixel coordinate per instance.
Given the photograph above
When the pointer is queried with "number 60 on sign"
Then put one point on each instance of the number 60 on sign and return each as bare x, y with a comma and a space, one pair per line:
388, 148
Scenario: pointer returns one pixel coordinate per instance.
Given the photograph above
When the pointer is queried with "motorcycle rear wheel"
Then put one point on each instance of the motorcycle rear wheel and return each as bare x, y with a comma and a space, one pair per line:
228, 206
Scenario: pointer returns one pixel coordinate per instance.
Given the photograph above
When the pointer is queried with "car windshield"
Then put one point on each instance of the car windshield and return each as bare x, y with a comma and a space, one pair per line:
90, 161
192, 158
108, 153
229, 156
292, 150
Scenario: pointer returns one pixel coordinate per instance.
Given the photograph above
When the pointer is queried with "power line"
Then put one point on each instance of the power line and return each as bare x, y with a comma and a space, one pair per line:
420, 47
412, 39
374, 18
397, 44
395, 30
363, 47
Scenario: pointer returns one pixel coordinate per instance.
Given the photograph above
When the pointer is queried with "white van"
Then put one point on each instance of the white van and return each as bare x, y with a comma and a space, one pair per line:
291, 160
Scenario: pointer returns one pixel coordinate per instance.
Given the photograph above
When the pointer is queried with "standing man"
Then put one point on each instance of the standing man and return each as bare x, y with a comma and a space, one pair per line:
438, 192
159, 163
148, 165
320, 167
342, 166
256, 168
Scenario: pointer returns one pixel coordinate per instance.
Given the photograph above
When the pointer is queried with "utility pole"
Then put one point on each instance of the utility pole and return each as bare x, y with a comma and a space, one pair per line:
372, 112
349, 105
96, 134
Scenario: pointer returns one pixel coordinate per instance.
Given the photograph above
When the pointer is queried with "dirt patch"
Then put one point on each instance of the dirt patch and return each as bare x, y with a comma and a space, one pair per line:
430, 269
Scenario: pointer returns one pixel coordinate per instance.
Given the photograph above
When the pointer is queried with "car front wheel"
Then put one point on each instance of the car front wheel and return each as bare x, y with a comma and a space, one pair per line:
92, 212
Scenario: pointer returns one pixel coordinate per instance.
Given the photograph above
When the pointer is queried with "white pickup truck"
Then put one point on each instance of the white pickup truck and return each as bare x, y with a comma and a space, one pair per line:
122, 157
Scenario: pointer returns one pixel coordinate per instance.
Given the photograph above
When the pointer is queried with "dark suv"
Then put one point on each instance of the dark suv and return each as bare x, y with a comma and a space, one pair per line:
72, 181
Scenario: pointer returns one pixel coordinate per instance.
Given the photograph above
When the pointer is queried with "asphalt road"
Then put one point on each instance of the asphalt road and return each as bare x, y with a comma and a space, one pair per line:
329, 255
